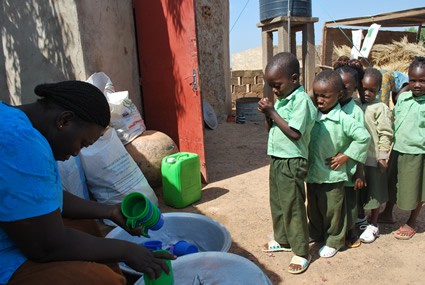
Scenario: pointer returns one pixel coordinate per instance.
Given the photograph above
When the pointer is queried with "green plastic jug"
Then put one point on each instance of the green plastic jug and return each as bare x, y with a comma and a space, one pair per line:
181, 179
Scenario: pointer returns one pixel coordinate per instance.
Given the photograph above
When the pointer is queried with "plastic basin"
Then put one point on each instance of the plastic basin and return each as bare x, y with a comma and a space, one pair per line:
204, 232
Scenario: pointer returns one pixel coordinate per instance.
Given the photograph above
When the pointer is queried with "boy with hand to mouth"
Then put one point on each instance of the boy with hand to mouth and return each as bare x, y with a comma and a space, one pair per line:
290, 121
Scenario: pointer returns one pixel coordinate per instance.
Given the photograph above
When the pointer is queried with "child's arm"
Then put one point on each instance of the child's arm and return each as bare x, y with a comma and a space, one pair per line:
385, 136
359, 178
337, 161
265, 106
360, 138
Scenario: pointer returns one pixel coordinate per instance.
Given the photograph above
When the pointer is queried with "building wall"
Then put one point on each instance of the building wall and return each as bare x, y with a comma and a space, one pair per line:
47, 41
212, 20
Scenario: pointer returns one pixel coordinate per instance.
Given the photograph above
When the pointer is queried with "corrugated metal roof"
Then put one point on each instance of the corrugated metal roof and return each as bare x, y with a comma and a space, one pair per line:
405, 18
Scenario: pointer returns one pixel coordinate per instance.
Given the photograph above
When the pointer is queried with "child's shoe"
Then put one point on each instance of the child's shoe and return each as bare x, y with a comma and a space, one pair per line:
361, 222
370, 233
327, 251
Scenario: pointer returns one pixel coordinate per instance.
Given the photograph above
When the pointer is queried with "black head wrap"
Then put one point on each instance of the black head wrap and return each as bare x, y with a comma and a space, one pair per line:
82, 98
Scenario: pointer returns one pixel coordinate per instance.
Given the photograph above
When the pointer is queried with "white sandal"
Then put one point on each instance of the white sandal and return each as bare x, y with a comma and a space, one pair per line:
327, 251
274, 246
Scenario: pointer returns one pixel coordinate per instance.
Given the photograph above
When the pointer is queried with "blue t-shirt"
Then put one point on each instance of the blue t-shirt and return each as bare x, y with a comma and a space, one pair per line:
29, 181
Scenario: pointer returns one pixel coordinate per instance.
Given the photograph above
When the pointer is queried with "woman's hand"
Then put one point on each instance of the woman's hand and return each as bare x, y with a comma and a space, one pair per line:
118, 218
150, 263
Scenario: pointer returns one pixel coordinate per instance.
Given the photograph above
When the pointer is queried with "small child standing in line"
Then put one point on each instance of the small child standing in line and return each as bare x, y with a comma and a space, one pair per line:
290, 121
409, 143
356, 179
379, 125
335, 138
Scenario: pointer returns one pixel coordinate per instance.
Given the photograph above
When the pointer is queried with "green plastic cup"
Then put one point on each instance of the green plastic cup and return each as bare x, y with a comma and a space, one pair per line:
137, 209
153, 219
164, 279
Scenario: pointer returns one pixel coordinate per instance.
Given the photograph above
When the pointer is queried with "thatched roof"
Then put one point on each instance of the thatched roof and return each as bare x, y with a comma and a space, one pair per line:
395, 56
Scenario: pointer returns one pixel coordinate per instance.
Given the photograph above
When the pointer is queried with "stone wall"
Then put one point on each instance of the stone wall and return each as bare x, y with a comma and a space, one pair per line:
246, 83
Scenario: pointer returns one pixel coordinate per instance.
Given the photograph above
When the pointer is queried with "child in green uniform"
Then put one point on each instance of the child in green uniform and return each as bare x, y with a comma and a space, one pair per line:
379, 125
409, 143
335, 138
356, 179
290, 121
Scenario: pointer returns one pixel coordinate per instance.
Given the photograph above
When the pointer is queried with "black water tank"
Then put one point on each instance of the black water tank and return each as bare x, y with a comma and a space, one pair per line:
274, 8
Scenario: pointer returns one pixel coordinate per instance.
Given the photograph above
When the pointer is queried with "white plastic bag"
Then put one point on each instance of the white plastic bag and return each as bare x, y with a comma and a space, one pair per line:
125, 117
73, 178
111, 172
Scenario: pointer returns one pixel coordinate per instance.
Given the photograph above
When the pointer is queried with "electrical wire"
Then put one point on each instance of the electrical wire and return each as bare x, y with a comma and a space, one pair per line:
243, 9
345, 35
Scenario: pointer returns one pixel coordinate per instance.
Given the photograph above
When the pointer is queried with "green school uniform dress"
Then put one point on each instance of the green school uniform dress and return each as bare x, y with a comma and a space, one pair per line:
332, 133
409, 142
379, 124
351, 196
288, 171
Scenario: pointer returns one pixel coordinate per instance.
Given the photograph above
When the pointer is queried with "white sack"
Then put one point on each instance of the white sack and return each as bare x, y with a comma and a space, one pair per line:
73, 178
111, 172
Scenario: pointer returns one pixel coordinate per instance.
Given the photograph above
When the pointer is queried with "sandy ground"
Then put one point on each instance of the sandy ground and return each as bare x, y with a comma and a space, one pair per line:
237, 196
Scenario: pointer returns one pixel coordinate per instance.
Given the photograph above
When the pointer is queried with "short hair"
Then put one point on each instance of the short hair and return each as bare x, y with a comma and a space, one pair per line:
419, 61
82, 98
374, 73
285, 62
330, 76
350, 70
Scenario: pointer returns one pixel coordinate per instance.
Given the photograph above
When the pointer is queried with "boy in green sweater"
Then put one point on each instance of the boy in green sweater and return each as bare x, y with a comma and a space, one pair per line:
335, 138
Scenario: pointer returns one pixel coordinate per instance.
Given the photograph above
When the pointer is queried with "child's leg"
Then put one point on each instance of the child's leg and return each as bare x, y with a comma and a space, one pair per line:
376, 194
295, 217
411, 185
335, 219
411, 190
386, 216
276, 206
351, 201
290, 200
315, 216
351, 198
376, 191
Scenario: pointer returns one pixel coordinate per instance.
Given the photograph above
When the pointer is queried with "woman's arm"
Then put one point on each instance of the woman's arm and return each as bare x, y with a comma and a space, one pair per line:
75, 207
45, 238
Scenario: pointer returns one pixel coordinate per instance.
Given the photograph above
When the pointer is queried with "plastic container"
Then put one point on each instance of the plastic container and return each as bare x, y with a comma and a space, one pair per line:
247, 107
183, 247
181, 179
274, 8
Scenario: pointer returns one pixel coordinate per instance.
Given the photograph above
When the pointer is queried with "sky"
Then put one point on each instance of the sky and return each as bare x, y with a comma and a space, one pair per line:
244, 33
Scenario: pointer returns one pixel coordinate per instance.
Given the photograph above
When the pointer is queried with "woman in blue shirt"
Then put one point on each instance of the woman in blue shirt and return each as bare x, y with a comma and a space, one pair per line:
35, 246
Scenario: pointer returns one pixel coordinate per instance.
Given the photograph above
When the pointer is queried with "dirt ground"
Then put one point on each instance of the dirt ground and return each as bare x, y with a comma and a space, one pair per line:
237, 196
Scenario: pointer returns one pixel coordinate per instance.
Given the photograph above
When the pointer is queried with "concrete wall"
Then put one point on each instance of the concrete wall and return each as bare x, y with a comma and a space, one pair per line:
212, 21
48, 41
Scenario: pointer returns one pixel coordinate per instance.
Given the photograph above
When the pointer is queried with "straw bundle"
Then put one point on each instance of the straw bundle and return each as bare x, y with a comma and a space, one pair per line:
395, 56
